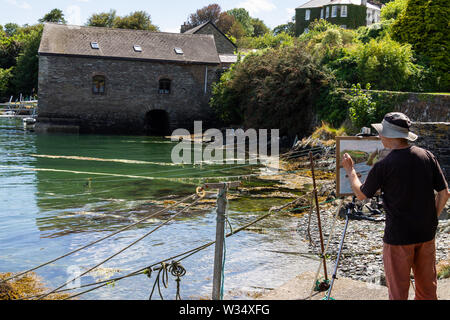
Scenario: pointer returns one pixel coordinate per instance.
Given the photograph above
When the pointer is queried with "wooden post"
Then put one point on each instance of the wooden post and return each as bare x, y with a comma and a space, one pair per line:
220, 234
318, 216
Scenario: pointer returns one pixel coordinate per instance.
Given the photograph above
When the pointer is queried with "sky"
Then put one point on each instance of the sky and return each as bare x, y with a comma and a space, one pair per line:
168, 16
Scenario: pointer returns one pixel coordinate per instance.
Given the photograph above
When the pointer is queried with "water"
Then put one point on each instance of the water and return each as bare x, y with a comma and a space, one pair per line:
45, 214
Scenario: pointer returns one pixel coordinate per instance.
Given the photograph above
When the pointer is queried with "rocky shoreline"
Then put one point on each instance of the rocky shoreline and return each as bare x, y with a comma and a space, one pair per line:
361, 257
362, 251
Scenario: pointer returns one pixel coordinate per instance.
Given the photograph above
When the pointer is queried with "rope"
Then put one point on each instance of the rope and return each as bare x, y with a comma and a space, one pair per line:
123, 249
97, 241
145, 270
165, 278
183, 255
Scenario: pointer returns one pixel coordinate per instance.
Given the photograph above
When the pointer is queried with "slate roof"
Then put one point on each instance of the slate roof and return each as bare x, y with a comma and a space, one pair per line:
195, 29
314, 4
69, 40
321, 3
198, 28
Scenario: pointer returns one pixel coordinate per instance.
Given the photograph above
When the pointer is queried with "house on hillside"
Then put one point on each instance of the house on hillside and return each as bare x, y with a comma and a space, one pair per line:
349, 14
225, 47
95, 79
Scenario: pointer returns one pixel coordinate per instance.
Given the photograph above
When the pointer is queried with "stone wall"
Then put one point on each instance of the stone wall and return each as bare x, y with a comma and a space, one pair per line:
66, 98
435, 136
422, 107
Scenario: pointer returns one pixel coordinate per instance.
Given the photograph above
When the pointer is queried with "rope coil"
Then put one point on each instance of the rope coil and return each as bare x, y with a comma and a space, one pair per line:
175, 269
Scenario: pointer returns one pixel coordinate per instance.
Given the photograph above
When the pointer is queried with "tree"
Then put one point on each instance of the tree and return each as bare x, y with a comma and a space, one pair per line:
259, 27
237, 30
242, 15
5, 79
56, 16
225, 22
25, 75
424, 25
11, 29
288, 28
102, 19
208, 13
138, 20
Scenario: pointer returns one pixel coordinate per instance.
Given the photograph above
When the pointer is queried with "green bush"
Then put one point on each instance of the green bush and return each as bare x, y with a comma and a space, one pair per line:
374, 31
268, 40
332, 106
393, 9
362, 110
386, 65
273, 88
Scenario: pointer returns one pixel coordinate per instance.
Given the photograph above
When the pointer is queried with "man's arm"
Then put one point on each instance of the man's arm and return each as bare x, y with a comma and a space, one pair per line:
441, 200
348, 164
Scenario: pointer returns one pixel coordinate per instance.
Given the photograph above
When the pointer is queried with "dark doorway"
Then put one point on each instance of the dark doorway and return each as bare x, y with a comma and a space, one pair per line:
157, 123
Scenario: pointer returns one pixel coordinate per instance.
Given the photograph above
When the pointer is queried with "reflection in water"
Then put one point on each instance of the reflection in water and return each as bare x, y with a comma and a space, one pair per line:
46, 214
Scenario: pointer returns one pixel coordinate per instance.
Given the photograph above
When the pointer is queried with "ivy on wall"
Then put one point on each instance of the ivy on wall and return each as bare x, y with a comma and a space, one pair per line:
356, 17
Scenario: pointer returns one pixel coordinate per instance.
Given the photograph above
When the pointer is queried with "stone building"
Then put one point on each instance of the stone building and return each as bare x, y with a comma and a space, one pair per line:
349, 14
225, 47
124, 81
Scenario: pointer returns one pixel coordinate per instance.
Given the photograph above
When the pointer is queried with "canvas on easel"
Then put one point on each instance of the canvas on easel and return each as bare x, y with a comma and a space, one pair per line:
365, 152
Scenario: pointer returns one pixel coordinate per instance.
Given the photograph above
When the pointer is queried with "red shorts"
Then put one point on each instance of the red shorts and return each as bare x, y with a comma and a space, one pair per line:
398, 262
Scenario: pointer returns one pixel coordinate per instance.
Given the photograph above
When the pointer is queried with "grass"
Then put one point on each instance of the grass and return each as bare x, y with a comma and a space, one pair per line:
443, 270
326, 132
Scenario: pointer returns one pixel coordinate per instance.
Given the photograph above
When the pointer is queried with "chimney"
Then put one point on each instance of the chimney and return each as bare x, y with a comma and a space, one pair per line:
184, 28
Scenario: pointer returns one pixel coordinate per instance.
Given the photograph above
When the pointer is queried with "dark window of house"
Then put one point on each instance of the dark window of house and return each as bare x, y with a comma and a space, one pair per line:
164, 86
98, 85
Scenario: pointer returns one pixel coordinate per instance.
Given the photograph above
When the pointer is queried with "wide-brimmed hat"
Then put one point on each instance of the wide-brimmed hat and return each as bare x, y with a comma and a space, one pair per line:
395, 125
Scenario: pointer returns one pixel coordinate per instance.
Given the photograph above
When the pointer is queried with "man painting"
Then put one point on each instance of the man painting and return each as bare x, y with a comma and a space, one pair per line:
408, 178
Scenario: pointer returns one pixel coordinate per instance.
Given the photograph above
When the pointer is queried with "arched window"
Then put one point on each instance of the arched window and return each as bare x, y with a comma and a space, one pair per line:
98, 85
164, 86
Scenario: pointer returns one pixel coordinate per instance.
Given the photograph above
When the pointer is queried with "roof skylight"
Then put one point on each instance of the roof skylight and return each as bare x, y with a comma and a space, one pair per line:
94, 45
137, 48
179, 51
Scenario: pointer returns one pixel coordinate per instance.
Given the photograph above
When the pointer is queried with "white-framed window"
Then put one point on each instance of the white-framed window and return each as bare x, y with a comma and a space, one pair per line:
327, 12
307, 14
343, 11
334, 11
321, 13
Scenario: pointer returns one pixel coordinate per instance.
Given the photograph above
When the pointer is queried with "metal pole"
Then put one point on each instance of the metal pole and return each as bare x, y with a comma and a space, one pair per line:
341, 244
220, 234
318, 217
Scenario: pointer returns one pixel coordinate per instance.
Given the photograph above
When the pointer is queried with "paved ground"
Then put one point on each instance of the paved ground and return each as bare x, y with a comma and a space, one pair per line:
299, 288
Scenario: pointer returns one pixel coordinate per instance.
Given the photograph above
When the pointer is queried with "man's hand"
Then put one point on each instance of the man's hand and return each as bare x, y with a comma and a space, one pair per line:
347, 163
